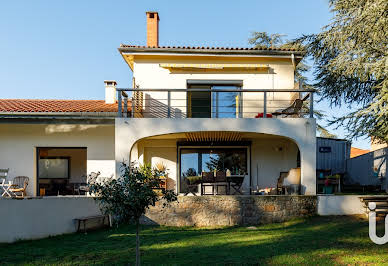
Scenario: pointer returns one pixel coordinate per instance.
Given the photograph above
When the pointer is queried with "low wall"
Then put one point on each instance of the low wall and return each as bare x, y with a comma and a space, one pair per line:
42, 217
340, 205
230, 210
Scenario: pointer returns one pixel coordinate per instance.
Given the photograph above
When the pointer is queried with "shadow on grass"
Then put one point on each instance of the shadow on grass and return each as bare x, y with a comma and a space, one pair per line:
313, 240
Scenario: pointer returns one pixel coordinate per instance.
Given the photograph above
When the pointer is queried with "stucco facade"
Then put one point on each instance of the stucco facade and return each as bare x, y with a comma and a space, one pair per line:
18, 144
272, 73
129, 146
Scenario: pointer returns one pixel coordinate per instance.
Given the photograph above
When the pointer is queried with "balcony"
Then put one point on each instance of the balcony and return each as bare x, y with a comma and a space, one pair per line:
215, 103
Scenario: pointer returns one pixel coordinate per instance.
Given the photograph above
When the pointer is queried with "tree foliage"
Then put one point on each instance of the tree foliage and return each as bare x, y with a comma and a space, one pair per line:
276, 40
351, 64
128, 197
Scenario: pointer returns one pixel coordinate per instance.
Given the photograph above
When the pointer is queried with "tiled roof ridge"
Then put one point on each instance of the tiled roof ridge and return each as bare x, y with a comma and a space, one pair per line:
263, 48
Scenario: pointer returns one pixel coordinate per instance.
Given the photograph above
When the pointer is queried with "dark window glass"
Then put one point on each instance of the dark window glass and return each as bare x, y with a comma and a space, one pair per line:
195, 161
206, 104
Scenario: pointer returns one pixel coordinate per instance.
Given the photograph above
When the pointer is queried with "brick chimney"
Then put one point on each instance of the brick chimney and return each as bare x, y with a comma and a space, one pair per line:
110, 91
152, 29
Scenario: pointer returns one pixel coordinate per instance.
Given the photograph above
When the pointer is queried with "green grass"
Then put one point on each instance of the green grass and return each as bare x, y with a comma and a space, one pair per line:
316, 240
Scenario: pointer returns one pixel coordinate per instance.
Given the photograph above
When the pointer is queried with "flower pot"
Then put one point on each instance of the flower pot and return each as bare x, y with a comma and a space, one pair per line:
328, 190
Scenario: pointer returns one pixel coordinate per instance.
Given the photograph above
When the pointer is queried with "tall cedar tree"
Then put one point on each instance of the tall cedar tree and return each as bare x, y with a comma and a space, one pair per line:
276, 40
351, 64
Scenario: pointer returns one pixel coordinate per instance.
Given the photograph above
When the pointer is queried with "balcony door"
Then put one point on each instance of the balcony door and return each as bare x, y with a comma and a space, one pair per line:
211, 103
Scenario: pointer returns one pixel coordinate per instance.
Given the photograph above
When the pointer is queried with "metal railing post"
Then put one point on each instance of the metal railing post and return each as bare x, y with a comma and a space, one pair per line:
125, 106
169, 104
119, 104
133, 108
300, 87
311, 104
265, 105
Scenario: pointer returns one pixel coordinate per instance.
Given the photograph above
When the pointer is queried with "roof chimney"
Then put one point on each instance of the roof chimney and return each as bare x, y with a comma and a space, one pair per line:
152, 29
110, 91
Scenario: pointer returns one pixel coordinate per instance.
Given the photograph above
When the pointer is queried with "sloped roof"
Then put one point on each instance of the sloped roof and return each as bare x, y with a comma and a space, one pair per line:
210, 48
55, 106
354, 152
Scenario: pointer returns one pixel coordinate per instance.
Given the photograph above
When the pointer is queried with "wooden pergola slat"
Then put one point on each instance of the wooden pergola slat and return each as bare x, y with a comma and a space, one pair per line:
204, 136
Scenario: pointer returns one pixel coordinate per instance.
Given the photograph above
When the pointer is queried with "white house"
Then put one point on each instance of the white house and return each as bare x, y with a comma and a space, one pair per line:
194, 109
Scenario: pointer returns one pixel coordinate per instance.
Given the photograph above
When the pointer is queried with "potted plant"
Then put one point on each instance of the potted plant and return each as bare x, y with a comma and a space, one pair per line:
162, 170
328, 188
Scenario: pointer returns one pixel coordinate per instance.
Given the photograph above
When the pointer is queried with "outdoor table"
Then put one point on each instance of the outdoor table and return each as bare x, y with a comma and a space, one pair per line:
6, 188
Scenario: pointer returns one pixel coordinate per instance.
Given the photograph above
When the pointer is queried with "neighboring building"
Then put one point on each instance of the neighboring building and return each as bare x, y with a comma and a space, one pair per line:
193, 109
376, 145
369, 170
332, 155
354, 152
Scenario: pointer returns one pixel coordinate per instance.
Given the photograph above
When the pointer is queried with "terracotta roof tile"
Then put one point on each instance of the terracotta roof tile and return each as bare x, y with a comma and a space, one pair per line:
354, 152
210, 48
60, 106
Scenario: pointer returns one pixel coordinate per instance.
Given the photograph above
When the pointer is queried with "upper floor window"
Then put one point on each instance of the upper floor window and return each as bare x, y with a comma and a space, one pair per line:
212, 103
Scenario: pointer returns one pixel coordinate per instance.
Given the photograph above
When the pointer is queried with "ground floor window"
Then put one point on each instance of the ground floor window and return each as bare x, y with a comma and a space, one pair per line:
61, 171
194, 161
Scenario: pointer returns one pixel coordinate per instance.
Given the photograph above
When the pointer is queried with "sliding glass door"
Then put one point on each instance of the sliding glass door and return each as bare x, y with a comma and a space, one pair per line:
214, 103
194, 161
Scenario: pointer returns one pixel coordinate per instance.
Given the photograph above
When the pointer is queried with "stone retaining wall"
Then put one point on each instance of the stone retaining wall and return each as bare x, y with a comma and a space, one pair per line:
230, 210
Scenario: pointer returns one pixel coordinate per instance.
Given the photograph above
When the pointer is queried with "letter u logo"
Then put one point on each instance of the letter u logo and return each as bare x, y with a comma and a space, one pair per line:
372, 226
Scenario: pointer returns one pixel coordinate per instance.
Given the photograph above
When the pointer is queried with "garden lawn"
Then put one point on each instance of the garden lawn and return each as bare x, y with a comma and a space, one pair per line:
316, 240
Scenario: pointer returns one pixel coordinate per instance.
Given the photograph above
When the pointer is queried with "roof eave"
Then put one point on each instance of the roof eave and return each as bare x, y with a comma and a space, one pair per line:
237, 52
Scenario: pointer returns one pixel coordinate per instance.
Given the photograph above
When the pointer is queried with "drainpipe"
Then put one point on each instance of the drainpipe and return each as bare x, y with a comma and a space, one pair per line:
293, 60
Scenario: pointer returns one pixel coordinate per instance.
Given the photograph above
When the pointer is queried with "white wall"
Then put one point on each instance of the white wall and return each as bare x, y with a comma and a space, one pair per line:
42, 217
282, 69
301, 131
18, 144
163, 151
269, 158
149, 74
340, 205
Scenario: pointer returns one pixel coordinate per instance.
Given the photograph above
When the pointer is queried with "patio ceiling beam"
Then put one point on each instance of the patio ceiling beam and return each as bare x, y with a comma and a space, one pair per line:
213, 136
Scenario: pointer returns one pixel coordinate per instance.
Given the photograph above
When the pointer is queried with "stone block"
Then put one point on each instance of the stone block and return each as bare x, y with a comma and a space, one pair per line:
269, 208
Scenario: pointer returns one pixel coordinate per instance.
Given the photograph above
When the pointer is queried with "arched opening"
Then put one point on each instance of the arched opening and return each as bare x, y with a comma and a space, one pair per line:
260, 160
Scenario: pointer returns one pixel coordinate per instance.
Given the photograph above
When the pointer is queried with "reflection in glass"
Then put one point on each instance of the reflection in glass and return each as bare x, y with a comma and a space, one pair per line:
195, 161
215, 104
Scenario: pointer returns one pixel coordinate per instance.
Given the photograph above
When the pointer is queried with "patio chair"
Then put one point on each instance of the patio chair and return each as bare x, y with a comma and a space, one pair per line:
20, 186
3, 177
207, 181
192, 186
280, 190
221, 181
236, 183
294, 109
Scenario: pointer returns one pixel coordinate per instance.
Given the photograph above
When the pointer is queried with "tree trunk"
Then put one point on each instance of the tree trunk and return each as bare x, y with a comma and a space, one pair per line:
137, 243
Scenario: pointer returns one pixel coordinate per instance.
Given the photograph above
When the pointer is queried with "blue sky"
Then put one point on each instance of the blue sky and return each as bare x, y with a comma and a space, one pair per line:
65, 49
